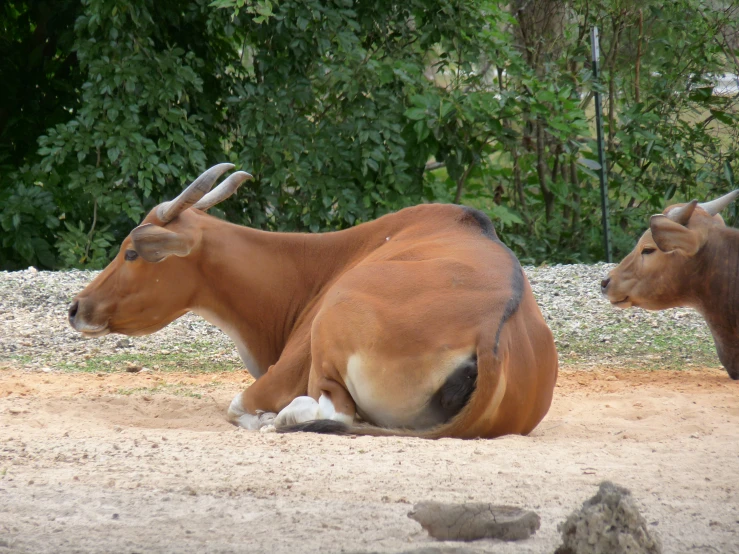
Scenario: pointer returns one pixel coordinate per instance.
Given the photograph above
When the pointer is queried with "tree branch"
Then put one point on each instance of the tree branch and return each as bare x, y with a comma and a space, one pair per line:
461, 180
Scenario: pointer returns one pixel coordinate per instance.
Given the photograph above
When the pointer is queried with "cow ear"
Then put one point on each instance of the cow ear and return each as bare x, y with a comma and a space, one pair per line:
154, 243
670, 236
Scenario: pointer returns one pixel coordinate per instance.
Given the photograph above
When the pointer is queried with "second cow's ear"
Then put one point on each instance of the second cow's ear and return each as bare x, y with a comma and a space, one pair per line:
154, 243
670, 236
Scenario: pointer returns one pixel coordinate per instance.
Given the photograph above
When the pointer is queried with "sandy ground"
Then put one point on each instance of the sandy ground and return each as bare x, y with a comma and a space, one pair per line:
146, 463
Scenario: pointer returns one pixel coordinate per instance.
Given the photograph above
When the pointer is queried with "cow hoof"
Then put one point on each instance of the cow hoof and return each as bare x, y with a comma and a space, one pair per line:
253, 422
266, 419
268, 429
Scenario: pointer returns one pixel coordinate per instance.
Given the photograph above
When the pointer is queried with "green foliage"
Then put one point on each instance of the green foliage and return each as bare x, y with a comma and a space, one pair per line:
322, 104
345, 110
27, 219
133, 131
40, 73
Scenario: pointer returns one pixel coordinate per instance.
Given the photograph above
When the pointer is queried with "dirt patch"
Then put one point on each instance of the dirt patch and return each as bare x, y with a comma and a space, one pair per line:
145, 462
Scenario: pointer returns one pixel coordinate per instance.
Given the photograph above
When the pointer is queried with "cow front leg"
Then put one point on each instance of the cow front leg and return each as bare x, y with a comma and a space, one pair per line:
241, 418
256, 407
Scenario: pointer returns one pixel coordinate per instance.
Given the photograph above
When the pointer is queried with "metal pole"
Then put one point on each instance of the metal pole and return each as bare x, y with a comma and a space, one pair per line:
595, 50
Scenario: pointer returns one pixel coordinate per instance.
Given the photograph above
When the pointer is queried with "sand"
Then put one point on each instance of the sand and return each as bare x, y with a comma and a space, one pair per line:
145, 462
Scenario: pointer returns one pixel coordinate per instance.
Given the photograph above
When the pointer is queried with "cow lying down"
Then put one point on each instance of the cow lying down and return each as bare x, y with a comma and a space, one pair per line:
687, 257
419, 323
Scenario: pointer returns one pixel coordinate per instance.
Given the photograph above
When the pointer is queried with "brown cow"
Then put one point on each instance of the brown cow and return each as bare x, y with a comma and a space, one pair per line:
420, 322
688, 257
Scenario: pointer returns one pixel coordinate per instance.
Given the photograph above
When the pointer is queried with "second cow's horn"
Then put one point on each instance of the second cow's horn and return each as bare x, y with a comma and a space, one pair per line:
715, 206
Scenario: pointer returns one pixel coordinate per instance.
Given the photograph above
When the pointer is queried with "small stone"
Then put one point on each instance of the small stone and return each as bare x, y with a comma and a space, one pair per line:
473, 521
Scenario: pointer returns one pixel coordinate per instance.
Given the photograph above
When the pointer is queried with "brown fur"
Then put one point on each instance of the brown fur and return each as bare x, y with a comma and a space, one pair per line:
695, 264
412, 291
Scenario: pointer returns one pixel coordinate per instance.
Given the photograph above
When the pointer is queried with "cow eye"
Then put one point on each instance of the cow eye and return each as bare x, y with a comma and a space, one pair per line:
646, 251
131, 255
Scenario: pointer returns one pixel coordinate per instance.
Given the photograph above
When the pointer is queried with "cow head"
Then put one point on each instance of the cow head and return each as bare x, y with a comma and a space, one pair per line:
151, 281
657, 274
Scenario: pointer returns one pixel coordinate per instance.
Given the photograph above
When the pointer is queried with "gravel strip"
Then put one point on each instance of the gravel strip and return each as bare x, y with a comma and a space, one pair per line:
34, 332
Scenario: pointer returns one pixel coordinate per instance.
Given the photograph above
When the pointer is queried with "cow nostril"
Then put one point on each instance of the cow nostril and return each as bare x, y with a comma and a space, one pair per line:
604, 284
73, 309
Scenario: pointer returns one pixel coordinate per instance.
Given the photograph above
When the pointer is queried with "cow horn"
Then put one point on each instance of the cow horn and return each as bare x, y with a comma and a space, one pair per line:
222, 191
167, 211
715, 206
682, 214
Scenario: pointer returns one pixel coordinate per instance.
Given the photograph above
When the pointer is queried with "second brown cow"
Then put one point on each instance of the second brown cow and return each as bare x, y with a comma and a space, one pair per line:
687, 257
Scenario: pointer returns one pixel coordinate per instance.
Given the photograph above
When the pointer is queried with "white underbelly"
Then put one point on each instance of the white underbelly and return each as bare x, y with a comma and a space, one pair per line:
393, 394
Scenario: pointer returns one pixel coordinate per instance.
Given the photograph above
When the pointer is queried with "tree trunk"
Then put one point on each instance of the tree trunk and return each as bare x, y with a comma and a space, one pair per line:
542, 170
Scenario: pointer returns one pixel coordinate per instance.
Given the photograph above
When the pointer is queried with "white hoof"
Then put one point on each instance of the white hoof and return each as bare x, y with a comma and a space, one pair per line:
238, 416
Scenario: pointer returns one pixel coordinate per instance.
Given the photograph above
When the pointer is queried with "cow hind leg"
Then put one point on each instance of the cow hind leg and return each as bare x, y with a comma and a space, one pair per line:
304, 409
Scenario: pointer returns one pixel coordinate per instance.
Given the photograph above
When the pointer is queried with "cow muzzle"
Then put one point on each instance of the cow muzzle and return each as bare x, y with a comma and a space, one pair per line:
79, 322
604, 286
606, 289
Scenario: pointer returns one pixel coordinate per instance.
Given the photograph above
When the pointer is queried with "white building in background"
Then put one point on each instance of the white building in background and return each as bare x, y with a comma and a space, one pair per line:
726, 85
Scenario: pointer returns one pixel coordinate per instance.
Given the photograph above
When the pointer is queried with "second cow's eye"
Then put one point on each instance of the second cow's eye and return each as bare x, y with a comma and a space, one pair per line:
648, 250
131, 255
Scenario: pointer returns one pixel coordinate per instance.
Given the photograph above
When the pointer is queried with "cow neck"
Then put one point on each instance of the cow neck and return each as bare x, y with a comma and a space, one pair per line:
719, 294
257, 285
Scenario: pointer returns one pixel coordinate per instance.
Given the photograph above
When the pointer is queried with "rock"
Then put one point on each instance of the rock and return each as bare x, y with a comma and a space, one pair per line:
473, 521
132, 367
124, 343
608, 523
